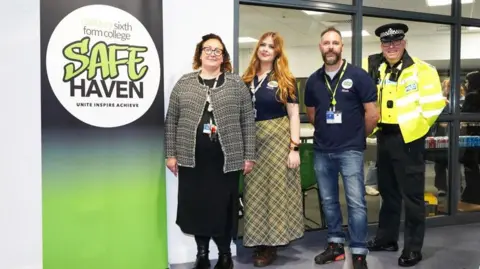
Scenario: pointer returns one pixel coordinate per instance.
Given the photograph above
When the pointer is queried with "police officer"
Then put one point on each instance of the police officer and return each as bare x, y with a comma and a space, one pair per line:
410, 101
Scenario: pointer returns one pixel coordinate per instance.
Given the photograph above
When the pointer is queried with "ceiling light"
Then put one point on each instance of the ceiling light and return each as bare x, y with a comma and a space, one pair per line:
246, 39
473, 28
349, 33
309, 12
435, 3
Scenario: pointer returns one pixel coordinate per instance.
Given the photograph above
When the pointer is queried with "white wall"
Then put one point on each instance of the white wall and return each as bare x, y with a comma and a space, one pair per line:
20, 141
184, 22
306, 59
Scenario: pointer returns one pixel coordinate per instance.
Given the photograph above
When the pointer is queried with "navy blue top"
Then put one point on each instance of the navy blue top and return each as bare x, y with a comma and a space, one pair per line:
350, 134
267, 100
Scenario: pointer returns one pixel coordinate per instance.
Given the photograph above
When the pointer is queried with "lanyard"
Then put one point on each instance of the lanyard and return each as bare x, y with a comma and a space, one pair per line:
255, 89
213, 127
334, 102
209, 100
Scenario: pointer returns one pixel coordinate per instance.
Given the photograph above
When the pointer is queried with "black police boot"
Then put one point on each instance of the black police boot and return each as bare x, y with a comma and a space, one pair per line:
334, 252
409, 258
375, 245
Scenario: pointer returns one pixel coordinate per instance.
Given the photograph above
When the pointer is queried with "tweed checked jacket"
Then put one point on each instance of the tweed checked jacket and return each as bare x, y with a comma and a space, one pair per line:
233, 113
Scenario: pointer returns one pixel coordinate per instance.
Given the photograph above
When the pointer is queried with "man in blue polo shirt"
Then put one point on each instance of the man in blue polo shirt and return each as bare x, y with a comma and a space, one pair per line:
341, 102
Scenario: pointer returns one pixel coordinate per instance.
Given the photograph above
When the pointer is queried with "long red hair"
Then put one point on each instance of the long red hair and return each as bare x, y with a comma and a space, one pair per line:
281, 71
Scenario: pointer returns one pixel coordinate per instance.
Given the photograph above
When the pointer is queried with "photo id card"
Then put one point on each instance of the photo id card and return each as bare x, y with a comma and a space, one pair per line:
334, 117
206, 128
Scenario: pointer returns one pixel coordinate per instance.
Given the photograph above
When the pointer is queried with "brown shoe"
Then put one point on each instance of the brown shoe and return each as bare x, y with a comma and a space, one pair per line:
258, 251
265, 257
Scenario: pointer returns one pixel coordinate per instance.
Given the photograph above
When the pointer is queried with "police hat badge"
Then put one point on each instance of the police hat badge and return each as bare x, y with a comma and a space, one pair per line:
391, 32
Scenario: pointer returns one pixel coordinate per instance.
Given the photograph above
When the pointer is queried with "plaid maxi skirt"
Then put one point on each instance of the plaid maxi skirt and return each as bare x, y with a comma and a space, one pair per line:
272, 194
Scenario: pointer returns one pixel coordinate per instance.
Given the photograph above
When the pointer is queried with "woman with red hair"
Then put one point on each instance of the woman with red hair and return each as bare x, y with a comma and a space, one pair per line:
272, 195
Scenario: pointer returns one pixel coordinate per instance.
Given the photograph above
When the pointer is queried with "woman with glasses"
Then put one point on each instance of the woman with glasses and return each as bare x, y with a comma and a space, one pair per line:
272, 195
210, 138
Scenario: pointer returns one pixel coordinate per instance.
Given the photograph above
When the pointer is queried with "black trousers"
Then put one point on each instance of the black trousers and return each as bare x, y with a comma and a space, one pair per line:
401, 176
471, 160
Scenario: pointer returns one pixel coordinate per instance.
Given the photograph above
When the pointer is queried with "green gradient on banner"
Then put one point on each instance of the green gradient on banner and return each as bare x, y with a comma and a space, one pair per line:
104, 206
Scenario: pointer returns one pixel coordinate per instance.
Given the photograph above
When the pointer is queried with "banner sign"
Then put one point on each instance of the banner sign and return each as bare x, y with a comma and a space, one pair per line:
104, 200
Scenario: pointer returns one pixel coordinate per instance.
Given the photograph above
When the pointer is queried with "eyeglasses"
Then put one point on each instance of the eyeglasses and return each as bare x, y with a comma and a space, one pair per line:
209, 51
395, 43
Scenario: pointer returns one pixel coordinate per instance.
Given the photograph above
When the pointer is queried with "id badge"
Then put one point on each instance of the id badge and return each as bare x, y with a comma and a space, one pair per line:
337, 117
334, 117
330, 117
206, 128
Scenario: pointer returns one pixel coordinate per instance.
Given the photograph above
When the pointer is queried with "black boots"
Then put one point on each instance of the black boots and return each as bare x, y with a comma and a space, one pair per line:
224, 254
202, 261
224, 261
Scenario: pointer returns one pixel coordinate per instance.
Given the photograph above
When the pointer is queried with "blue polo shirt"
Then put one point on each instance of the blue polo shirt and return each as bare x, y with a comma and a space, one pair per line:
267, 100
354, 89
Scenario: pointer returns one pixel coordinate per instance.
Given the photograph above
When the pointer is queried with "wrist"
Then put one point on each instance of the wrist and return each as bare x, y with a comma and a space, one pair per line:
294, 142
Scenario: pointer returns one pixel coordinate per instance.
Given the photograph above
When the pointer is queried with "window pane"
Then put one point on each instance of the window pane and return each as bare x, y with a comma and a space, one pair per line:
470, 9
436, 172
469, 159
346, 2
470, 64
441, 7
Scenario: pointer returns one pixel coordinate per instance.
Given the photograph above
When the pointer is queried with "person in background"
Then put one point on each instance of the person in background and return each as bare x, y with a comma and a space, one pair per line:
441, 129
341, 103
410, 101
209, 139
272, 195
470, 200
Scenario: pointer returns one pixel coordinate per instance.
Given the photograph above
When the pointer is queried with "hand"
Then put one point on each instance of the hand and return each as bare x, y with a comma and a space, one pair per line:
172, 165
247, 167
293, 159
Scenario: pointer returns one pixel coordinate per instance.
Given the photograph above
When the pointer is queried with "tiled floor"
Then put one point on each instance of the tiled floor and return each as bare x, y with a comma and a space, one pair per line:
453, 247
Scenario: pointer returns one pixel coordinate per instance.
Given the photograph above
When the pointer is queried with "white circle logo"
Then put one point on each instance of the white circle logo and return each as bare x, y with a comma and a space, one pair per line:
347, 84
103, 66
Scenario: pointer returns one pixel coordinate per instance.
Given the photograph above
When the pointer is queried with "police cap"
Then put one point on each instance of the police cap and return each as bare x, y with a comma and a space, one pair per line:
391, 32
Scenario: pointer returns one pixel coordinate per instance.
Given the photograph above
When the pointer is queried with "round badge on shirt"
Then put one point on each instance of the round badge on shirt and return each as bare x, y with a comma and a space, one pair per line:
272, 84
347, 84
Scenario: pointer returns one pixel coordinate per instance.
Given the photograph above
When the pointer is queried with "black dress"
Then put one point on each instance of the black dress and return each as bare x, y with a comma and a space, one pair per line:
207, 197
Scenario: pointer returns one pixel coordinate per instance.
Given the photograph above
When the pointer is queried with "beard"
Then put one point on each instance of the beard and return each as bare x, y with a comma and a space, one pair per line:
331, 61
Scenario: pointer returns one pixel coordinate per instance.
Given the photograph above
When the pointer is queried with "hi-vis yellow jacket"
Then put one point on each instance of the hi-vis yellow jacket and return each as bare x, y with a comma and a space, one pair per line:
418, 99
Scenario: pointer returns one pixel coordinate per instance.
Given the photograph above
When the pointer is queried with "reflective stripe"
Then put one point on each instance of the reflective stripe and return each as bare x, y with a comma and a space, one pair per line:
432, 113
427, 87
407, 99
404, 101
409, 116
431, 98
416, 113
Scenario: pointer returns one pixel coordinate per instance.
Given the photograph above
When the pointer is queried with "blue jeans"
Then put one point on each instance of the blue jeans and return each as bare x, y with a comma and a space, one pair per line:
350, 165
